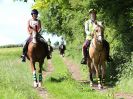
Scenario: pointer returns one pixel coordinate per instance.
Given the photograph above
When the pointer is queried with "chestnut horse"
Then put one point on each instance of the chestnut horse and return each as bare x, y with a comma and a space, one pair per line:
37, 51
97, 55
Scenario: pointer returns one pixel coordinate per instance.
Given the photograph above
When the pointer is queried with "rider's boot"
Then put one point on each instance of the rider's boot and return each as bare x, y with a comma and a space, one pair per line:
23, 58
25, 47
84, 61
109, 59
48, 55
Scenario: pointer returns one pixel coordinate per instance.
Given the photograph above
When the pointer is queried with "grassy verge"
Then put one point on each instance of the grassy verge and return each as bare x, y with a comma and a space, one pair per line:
123, 85
15, 77
61, 86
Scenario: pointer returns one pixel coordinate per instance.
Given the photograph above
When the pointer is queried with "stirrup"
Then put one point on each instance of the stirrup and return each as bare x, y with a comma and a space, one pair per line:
83, 61
48, 57
23, 58
109, 59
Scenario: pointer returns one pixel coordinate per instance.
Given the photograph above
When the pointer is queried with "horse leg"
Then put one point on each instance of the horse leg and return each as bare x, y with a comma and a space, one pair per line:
63, 53
40, 74
98, 76
90, 72
34, 73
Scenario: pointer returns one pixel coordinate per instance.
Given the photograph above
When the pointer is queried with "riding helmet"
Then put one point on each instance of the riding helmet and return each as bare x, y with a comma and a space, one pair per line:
92, 10
34, 11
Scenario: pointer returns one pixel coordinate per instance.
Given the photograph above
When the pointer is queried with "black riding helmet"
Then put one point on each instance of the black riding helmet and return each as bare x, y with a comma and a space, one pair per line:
34, 11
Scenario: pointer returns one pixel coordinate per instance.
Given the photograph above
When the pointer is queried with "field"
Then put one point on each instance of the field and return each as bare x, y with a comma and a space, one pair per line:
16, 80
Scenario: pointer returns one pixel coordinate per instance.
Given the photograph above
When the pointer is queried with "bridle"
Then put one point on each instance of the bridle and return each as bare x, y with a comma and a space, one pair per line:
98, 34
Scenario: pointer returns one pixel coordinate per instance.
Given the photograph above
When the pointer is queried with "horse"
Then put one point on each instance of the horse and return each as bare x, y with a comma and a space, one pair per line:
37, 51
97, 56
62, 49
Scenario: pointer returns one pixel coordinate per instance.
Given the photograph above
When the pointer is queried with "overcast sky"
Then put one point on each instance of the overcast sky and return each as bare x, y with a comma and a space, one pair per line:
13, 22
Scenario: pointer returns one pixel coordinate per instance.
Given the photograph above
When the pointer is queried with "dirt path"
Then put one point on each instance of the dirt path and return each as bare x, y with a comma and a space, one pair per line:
123, 96
43, 92
73, 69
76, 74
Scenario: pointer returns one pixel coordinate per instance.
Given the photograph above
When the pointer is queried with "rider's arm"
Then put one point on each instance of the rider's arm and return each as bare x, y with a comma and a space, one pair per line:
30, 28
87, 27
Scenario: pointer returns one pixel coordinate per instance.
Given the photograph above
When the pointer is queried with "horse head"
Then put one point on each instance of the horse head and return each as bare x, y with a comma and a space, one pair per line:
99, 31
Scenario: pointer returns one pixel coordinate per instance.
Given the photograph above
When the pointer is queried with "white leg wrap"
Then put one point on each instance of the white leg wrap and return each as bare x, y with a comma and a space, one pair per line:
91, 84
99, 86
39, 84
35, 84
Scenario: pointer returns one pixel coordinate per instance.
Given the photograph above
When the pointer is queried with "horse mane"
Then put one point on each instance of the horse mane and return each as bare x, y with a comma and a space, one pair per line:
100, 24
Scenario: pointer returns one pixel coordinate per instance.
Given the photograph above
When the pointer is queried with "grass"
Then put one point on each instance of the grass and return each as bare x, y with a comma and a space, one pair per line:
15, 77
61, 86
16, 80
123, 85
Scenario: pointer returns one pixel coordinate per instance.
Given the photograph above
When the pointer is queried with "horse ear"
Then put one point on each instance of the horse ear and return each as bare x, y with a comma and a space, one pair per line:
101, 23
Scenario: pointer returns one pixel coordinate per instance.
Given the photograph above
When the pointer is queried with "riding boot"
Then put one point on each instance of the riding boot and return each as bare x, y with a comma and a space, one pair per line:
25, 48
48, 55
106, 45
109, 59
84, 60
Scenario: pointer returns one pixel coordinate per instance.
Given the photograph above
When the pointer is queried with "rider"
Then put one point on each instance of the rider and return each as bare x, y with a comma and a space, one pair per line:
32, 24
62, 41
89, 27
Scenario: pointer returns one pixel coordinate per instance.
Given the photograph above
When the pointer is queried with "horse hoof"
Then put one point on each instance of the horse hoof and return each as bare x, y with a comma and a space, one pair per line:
39, 84
35, 84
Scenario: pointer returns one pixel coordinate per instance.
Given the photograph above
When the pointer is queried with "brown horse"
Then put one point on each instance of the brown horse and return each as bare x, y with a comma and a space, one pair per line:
97, 56
37, 51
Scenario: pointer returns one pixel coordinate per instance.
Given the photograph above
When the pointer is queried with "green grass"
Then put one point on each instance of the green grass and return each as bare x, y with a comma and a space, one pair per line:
15, 76
61, 86
123, 85
16, 80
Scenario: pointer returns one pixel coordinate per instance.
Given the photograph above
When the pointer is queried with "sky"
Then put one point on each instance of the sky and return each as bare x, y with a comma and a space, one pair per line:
13, 22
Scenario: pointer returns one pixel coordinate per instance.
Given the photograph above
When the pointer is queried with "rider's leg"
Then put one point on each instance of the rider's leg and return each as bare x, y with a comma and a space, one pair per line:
46, 45
25, 48
106, 45
48, 55
84, 50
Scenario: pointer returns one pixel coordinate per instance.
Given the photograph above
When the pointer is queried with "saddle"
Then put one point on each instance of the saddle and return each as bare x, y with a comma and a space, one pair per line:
39, 39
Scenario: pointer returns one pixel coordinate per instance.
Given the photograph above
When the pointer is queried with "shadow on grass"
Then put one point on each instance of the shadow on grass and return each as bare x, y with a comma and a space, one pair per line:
58, 77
